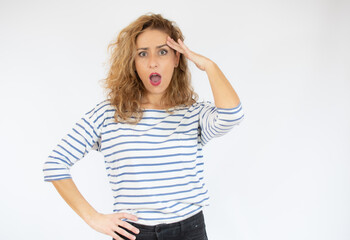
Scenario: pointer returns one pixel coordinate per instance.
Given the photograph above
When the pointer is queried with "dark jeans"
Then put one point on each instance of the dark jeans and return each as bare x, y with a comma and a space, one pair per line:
192, 228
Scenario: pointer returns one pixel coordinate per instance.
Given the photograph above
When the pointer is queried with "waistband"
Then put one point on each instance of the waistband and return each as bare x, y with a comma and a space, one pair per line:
198, 218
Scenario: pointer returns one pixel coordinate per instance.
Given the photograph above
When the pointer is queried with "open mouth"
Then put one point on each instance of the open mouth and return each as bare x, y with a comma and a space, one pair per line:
155, 78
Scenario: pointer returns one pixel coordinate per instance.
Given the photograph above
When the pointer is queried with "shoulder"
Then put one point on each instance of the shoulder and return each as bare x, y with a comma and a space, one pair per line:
198, 107
204, 104
100, 108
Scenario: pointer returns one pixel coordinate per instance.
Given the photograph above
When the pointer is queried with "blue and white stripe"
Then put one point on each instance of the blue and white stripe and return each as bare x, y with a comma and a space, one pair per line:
155, 168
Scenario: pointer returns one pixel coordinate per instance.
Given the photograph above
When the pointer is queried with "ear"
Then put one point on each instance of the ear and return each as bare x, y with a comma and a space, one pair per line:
177, 56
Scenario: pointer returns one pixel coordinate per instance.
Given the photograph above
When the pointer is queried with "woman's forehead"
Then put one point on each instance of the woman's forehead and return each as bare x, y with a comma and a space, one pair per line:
151, 39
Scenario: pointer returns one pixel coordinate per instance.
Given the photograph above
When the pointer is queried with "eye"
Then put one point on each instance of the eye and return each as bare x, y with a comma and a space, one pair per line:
141, 54
164, 51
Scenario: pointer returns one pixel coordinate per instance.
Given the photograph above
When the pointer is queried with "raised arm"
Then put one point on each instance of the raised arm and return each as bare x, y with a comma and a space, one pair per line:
224, 94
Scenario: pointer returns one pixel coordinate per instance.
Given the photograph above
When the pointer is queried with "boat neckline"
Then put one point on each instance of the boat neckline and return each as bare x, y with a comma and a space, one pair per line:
151, 109
164, 110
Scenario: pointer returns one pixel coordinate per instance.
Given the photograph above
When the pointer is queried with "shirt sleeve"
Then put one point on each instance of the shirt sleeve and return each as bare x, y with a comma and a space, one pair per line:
215, 122
84, 136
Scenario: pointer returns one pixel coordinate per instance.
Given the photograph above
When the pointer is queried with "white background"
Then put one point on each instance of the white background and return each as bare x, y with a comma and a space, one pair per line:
283, 173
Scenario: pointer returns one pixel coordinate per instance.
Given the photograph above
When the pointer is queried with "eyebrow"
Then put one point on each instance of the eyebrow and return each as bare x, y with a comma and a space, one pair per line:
156, 47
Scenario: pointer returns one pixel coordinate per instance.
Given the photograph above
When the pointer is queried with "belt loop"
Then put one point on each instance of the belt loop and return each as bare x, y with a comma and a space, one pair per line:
182, 228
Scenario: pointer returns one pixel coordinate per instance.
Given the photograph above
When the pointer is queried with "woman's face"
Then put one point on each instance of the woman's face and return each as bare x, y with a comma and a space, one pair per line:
155, 56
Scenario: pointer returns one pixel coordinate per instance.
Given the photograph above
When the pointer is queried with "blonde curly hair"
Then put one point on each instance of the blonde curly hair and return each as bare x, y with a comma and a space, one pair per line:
123, 85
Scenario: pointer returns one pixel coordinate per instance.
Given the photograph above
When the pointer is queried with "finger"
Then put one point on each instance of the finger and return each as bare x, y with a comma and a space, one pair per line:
124, 233
129, 216
189, 54
183, 45
178, 44
115, 236
173, 41
129, 226
174, 45
185, 50
177, 48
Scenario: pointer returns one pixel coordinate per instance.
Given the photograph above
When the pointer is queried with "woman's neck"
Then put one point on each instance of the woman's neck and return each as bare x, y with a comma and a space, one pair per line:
153, 106
152, 102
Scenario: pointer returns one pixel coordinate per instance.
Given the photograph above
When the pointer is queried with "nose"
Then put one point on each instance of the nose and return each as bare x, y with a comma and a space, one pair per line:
153, 61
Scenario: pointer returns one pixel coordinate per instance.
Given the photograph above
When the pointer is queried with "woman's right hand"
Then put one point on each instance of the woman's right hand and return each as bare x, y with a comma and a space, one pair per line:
109, 224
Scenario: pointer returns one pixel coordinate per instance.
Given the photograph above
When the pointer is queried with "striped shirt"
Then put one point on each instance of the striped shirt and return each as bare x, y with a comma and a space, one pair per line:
155, 168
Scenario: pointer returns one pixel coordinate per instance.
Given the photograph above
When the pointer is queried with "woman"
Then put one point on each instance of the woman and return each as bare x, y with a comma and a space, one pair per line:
151, 131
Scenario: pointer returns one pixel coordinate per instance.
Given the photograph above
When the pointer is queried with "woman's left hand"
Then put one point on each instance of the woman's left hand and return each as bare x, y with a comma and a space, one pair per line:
200, 61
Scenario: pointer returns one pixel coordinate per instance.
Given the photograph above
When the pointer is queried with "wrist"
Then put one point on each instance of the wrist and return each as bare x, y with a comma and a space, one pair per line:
89, 217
